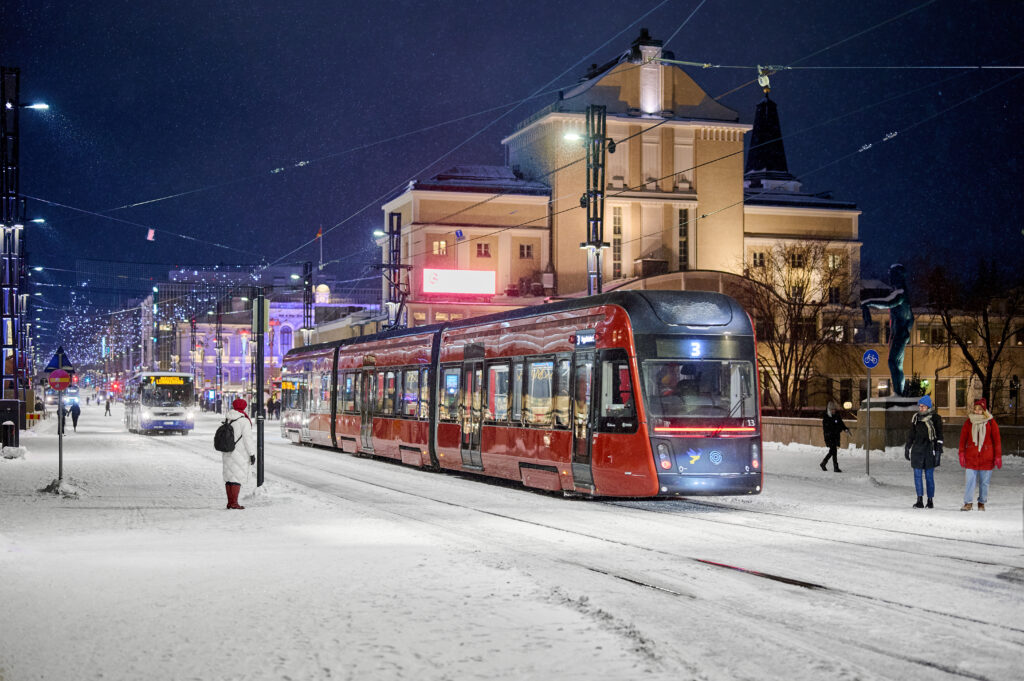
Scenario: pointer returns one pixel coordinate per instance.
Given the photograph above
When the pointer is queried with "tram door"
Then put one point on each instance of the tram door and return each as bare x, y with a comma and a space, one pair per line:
472, 412
582, 419
365, 395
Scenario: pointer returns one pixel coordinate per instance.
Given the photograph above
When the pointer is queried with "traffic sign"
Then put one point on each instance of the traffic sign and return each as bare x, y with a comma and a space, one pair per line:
870, 359
59, 379
60, 361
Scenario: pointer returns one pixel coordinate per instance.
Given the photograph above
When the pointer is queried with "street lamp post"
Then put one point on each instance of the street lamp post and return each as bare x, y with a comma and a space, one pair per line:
593, 200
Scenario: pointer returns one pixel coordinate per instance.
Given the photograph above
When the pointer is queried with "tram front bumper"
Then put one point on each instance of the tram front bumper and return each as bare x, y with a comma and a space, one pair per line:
676, 485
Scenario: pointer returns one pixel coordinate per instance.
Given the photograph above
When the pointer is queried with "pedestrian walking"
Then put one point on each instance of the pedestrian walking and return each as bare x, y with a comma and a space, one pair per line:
106, 411
832, 427
239, 461
924, 449
980, 451
75, 412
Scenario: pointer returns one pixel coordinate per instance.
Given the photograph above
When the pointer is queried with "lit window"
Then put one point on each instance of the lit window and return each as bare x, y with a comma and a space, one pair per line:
419, 316
835, 261
441, 316
439, 247
483, 250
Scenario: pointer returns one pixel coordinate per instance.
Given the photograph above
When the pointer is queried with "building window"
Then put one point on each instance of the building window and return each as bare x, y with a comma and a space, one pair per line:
883, 388
483, 250
419, 316
796, 293
961, 393
837, 333
440, 316
845, 391
684, 239
525, 251
617, 242
757, 260
439, 247
941, 393
835, 261
835, 296
805, 329
455, 315
796, 261
286, 339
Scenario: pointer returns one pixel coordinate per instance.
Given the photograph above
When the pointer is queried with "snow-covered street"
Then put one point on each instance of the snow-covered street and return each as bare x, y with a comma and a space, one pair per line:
350, 568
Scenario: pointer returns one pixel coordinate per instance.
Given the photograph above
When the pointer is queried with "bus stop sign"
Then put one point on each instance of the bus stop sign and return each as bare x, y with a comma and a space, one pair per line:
59, 379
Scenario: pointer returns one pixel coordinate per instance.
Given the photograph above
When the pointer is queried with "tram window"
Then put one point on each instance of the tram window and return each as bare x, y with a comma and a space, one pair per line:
378, 393
561, 401
517, 392
712, 387
388, 405
497, 392
424, 411
539, 379
347, 392
448, 387
410, 392
618, 410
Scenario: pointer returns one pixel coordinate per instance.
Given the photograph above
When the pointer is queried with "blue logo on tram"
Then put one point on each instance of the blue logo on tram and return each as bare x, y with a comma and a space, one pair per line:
716, 457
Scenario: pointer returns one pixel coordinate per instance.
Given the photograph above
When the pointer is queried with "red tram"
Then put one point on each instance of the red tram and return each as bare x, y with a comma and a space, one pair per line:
625, 394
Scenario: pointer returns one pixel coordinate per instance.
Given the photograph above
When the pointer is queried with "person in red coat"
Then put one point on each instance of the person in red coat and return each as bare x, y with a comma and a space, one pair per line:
980, 452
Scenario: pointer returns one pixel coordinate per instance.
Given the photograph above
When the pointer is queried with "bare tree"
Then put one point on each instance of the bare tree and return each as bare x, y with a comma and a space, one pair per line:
797, 295
982, 311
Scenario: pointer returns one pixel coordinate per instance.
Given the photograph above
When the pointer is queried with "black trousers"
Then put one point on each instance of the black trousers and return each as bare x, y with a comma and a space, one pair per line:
831, 455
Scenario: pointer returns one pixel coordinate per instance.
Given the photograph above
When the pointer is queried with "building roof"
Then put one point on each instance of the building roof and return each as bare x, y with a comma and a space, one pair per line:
775, 197
480, 178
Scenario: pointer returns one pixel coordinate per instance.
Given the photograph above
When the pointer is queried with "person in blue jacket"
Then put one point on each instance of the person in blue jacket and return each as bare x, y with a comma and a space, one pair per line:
901, 321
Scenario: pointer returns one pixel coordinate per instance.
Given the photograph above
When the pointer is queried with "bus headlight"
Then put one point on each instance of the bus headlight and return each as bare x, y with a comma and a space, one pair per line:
189, 414
147, 414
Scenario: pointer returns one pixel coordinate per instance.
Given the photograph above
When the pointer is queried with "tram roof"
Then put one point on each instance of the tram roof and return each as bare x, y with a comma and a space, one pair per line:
649, 311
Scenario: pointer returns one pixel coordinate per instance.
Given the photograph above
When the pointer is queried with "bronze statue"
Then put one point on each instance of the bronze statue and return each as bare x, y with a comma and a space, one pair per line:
901, 321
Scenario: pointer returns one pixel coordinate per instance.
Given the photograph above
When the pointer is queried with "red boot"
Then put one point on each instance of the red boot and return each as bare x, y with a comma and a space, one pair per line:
227, 488
233, 489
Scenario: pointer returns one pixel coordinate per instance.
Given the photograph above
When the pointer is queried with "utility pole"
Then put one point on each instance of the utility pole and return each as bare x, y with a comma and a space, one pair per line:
218, 345
261, 322
593, 199
307, 299
398, 290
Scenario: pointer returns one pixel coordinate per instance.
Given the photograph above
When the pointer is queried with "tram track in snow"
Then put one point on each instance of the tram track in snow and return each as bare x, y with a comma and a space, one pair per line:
929, 615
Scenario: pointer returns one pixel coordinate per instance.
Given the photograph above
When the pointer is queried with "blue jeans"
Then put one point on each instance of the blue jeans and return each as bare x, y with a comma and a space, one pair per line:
981, 478
929, 476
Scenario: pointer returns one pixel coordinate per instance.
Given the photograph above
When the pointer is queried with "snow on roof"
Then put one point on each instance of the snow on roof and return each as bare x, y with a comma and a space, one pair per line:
481, 178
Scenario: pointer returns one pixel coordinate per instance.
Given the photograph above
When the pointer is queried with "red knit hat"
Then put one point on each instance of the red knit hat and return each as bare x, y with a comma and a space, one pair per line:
239, 404
982, 402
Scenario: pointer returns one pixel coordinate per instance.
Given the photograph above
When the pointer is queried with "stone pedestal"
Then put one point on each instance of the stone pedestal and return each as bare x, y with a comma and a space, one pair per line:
890, 421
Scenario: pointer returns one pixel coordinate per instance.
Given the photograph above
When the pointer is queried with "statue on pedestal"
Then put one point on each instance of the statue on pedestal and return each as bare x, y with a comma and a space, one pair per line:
901, 321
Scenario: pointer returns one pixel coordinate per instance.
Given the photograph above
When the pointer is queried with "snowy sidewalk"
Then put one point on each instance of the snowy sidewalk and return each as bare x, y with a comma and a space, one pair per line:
145, 576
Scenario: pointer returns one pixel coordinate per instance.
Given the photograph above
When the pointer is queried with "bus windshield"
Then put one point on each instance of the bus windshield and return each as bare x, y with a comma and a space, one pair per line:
167, 394
704, 388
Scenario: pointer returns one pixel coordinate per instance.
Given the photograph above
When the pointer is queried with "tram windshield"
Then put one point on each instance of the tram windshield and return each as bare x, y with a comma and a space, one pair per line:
705, 388
293, 392
166, 391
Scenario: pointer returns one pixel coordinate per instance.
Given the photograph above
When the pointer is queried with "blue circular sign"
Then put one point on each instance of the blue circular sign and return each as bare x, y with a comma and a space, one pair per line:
870, 359
716, 457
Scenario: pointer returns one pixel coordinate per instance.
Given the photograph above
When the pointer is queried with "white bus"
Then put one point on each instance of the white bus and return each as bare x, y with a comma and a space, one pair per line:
159, 402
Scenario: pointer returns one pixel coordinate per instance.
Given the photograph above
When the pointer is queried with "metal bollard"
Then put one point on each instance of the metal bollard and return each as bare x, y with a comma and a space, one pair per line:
8, 434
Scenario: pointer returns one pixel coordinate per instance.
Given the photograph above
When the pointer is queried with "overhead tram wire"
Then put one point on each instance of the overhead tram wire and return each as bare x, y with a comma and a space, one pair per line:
726, 156
480, 131
836, 44
863, 148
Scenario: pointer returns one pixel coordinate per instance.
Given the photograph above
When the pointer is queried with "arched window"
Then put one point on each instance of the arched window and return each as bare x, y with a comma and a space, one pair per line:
286, 339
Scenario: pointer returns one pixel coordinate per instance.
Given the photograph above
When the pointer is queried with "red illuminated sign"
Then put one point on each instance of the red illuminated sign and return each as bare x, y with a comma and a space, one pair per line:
466, 282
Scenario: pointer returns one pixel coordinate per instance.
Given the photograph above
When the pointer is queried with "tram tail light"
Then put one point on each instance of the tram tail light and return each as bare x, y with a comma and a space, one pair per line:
664, 456
755, 455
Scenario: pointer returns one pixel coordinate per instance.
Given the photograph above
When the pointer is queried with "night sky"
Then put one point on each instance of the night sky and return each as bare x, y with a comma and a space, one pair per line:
201, 101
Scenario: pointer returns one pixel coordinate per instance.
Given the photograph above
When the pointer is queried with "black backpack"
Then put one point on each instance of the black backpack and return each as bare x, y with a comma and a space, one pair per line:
224, 439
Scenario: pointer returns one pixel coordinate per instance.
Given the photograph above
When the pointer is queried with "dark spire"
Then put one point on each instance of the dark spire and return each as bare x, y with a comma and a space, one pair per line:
767, 155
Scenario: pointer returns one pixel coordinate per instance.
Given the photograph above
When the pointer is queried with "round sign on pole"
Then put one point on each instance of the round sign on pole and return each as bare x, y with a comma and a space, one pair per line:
59, 379
870, 359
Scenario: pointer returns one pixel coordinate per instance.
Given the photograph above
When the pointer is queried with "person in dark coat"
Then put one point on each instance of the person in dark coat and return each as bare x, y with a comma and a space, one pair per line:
981, 450
106, 410
924, 447
832, 427
75, 412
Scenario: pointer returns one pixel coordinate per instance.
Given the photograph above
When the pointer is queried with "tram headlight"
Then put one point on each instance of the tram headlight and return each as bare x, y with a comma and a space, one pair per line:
664, 456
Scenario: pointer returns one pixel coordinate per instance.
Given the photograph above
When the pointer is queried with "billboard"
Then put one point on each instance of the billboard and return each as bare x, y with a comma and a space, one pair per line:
461, 282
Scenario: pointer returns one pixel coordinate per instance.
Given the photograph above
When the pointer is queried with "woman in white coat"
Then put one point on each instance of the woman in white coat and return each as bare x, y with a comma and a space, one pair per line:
238, 462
